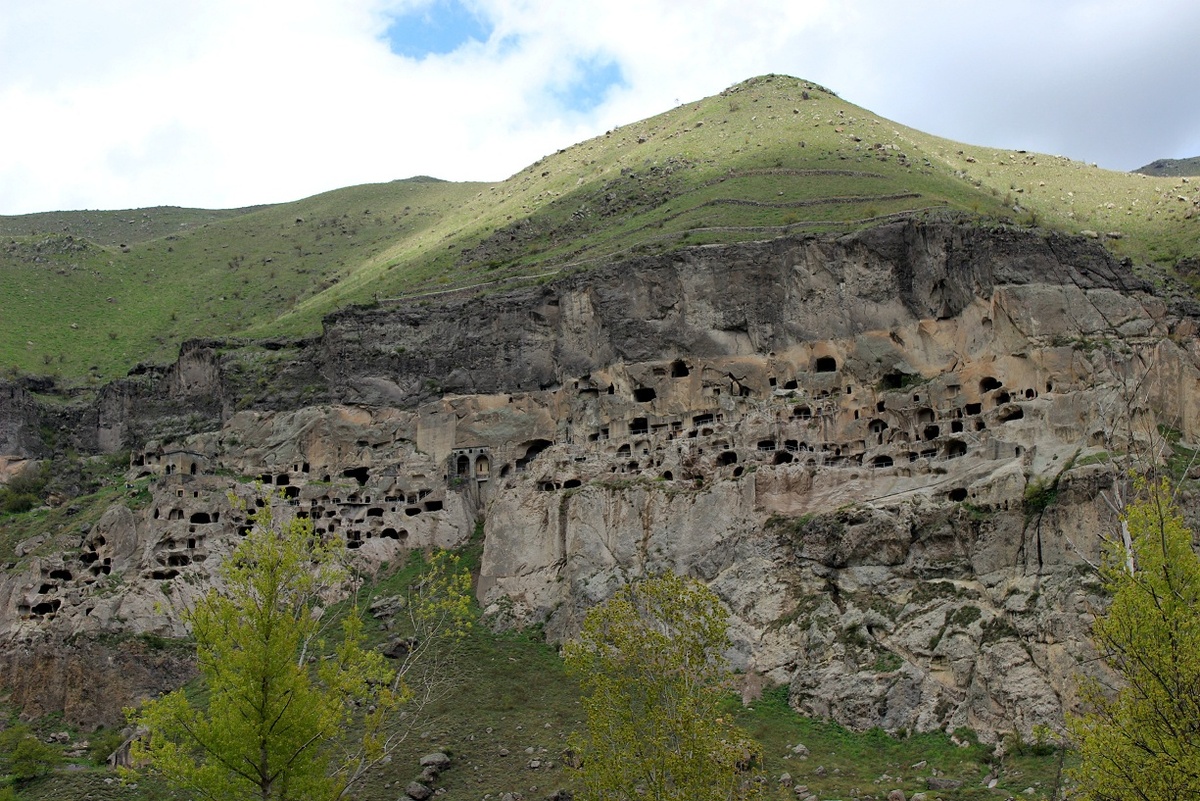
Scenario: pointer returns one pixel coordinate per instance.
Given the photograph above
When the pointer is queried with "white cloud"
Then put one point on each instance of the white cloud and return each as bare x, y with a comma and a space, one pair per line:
234, 102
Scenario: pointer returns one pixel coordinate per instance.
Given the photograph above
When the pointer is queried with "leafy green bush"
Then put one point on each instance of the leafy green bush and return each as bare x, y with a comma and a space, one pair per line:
23, 492
13, 503
31, 759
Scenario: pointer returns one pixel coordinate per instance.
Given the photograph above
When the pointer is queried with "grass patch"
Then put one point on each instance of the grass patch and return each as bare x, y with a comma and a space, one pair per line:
1040, 494
975, 512
93, 484
857, 760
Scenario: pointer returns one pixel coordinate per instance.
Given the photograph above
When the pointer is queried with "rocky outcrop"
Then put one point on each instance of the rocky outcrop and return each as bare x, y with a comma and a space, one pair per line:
20, 438
886, 452
91, 681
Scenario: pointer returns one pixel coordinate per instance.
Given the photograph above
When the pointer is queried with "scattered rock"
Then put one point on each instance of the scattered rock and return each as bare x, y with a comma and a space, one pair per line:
936, 783
400, 647
417, 791
386, 606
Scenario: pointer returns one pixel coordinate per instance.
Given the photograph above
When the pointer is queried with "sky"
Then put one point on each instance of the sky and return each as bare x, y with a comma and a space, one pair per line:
227, 103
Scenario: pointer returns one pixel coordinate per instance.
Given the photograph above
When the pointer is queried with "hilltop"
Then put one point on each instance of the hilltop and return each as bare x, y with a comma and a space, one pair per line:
90, 294
1172, 167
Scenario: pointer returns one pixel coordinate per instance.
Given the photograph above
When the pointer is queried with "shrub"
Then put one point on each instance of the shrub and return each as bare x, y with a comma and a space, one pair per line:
32, 759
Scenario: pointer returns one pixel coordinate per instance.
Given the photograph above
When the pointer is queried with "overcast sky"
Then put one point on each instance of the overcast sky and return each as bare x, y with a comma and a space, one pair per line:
223, 103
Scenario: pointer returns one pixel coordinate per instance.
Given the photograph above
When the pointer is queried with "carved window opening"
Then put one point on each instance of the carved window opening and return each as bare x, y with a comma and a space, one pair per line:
1011, 413
359, 474
644, 394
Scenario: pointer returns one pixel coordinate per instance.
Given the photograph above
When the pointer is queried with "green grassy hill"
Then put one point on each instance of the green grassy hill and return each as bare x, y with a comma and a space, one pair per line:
81, 307
1171, 167
89, 294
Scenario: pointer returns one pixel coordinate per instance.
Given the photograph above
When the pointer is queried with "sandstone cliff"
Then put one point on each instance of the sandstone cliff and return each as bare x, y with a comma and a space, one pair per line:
887, 452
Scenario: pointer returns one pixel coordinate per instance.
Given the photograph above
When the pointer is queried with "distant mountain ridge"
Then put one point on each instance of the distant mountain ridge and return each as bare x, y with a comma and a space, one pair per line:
1171, 168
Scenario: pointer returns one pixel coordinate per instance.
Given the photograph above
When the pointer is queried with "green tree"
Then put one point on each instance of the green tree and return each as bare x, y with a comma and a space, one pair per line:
286, 717
23, 757
654, 680
1141, 740
32, 759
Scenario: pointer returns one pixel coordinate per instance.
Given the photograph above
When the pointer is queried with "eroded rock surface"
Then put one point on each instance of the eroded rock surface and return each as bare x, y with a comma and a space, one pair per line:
885, 452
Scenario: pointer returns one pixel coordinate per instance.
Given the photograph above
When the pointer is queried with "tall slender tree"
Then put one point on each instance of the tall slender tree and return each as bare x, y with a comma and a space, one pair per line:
1140, 739
285, 715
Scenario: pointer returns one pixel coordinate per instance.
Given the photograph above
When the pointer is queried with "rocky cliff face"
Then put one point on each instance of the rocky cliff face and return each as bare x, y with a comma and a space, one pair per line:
886, 452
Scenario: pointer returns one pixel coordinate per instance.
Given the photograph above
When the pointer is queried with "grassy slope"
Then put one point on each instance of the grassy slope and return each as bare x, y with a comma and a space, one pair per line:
803, 158
79, 308
115, 228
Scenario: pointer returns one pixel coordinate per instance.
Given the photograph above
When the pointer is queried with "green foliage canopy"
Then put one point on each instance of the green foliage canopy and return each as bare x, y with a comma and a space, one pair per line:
650, 664
286, 717
24, 757
1143, 740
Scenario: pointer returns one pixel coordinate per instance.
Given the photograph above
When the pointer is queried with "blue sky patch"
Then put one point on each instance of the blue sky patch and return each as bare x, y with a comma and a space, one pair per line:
439, 28
590, 85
